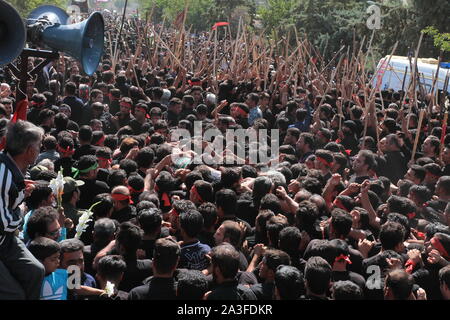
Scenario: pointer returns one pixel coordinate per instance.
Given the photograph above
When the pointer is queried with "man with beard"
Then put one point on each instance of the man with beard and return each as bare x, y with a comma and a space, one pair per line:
362, 164
224, 268
124, 116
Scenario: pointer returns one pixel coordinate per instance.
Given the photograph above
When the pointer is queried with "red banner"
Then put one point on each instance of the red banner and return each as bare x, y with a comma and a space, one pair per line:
219, 24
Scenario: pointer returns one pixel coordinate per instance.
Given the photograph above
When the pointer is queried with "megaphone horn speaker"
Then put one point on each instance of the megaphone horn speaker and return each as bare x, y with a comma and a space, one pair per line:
51, 13
83, 41
13, 35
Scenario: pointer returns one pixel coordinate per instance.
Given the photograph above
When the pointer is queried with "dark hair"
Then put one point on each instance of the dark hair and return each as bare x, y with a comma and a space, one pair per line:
129, 237
248, 171
260, 222
229, 177
347, 290
274, 258
401, 205
321, 248
308, 139
165, 255
227, 200
205, 190
232, 231
306, 215
401, 283
444, 276
318, 275
191, 222
436, 227
116, 178
419, 171
391, 234
369, 159
71, 245
226, 258
341, 222
111, 267
104, 206
150, 220
208, 211
270, 202
86, 162
144, 157
289, 240
274, 227
85, 133
289, 282
39, 221
191, 285
42, 248
39, 194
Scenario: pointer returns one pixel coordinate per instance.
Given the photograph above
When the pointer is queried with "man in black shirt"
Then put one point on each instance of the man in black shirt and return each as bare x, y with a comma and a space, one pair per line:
224, 267
86, 148
396, 162
124, 116
75, 103
363, 163
268, 266
140, 122
87, 172
123, 210
150, 222
317, 278
172, 115
162, 285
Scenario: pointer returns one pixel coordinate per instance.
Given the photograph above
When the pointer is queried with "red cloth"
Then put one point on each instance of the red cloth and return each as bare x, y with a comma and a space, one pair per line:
21, 111
219, 24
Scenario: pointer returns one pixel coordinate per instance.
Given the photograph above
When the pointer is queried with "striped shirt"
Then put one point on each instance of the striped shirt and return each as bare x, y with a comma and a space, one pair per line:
12, 187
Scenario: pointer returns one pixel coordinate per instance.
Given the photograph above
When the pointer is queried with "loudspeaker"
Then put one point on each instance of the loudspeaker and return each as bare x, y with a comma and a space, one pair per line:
83, 41
51, 13
13, 34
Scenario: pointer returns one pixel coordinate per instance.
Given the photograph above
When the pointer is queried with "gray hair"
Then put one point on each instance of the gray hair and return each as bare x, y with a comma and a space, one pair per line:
276, 177
48, 164
21, 135
104, 228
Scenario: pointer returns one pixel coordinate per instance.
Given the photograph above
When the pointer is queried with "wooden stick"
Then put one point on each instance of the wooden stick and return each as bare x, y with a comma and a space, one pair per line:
443, 133
419, 127
118, 36
415, 68
170, 51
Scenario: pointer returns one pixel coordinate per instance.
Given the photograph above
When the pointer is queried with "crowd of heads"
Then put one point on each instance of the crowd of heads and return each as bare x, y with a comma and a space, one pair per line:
349, 211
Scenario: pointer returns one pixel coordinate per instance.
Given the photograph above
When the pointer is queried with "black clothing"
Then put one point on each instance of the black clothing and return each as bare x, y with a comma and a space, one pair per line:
89, 190
349, 275
139, 128
76, 106
124, 214
155, 289
87, 149
148, 246
137, 271
66, 165
396, 166
231, 290
207, 238
263, 291
171, 118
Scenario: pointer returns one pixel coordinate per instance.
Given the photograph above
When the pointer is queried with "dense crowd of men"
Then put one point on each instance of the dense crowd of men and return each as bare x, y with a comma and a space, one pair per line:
350, 210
